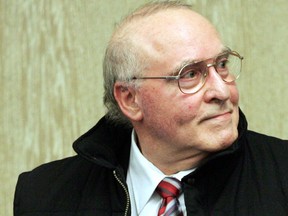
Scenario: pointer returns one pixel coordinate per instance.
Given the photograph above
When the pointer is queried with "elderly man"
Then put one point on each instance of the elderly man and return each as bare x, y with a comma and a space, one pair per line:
173, 141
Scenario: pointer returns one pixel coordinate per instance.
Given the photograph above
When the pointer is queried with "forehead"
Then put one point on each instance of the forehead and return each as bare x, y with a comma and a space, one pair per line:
176, 35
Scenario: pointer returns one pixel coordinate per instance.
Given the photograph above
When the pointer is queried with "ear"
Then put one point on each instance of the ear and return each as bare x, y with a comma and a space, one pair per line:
126, 97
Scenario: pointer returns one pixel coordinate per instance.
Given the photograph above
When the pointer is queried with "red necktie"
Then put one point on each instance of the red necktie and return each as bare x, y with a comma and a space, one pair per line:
169, 189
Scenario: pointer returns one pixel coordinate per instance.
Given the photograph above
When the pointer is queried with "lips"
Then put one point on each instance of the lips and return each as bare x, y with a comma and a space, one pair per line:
220, 115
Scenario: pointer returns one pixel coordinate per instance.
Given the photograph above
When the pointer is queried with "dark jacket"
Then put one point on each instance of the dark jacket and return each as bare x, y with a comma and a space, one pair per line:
250, 178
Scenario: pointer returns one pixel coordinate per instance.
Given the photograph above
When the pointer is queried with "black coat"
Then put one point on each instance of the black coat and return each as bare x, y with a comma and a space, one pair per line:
250, 178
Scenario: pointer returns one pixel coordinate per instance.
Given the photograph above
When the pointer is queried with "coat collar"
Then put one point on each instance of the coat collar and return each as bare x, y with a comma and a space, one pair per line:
106, 144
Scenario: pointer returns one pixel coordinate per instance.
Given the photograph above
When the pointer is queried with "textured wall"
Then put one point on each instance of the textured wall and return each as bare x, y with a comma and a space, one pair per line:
51, 78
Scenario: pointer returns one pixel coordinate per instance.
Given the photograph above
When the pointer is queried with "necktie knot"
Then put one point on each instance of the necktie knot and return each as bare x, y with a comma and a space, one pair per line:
169, 187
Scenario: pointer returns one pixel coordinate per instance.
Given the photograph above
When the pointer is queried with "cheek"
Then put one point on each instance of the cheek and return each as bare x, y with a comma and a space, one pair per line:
187, 109
159, 107
167, 105
158, 97
152, 103
158, 114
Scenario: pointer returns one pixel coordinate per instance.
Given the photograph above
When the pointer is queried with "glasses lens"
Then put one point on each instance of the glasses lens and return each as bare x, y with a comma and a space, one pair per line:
192, 77
228, 66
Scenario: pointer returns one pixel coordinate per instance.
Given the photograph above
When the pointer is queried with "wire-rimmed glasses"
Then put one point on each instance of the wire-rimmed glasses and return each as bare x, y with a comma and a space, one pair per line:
192, 77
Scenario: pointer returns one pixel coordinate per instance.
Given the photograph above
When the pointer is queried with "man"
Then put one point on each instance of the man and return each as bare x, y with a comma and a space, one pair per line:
173, 125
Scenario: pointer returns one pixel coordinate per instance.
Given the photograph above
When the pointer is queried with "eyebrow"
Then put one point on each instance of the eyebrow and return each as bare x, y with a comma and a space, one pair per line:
176, 70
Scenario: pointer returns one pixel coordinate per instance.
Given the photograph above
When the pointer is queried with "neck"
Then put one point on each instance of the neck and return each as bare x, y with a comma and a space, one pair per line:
170, 159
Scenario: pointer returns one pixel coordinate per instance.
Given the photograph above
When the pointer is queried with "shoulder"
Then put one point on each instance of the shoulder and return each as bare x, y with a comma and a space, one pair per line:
55, 168
263, 140
46, 177
58, 185
268, 149
68, 171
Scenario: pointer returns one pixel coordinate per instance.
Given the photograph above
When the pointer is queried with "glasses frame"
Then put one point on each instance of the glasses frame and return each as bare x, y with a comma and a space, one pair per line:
177, 77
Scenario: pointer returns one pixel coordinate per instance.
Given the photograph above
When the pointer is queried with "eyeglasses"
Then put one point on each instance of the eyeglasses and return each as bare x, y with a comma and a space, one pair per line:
192, 77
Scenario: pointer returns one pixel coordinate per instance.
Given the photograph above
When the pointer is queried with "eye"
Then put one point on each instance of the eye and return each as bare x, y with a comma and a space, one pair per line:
190, 77
222, 64
191, 72
222, 67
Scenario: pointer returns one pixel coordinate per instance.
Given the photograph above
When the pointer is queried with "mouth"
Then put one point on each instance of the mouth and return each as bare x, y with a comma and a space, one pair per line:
226, 115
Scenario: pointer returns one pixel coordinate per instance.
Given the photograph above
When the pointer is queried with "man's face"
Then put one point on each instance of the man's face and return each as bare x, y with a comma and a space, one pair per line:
205, 121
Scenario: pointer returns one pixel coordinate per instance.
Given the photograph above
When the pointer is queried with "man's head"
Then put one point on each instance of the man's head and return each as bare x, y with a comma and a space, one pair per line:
158, 40
125, 56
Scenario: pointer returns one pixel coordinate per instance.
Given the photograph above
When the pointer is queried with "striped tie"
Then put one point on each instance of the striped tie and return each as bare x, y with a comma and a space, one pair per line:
169, 189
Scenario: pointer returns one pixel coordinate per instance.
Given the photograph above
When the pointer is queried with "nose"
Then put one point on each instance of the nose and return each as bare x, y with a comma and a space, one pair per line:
216, 90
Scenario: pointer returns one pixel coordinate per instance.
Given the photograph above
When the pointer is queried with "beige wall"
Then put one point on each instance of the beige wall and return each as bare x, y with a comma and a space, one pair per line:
51, 84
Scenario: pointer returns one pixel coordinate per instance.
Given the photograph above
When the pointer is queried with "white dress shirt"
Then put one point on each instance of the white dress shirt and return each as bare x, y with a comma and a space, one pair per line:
142, 179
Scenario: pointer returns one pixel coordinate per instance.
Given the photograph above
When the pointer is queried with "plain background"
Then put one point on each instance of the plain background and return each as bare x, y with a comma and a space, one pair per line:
51, 55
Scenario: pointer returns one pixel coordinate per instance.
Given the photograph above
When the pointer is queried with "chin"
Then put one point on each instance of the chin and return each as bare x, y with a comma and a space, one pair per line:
221, 141
228, 140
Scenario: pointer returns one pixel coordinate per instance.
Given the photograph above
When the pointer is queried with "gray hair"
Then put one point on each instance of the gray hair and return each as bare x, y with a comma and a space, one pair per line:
124, 60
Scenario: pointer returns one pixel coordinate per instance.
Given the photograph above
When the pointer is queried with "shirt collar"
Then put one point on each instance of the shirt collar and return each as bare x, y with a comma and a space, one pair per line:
145, 176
